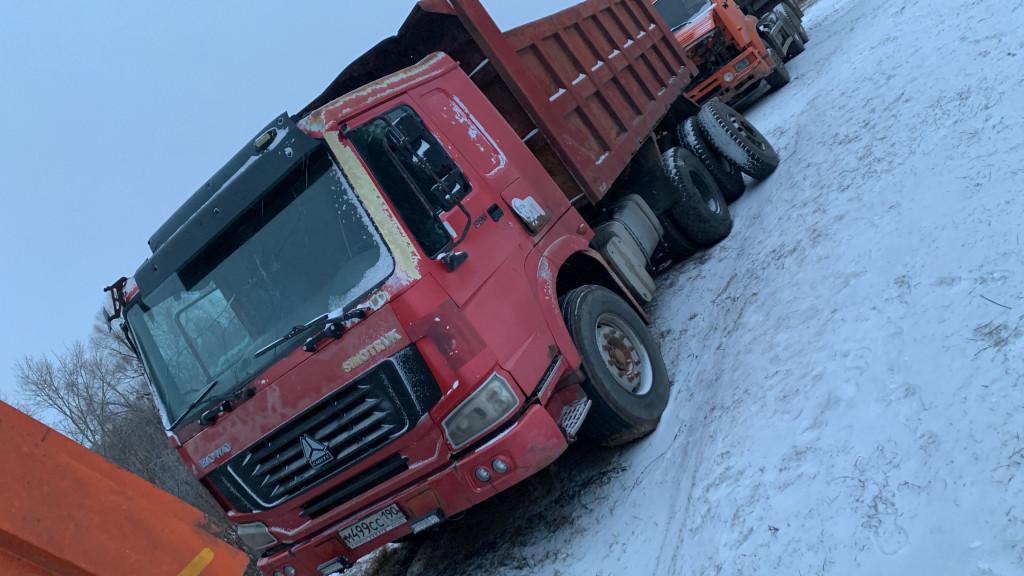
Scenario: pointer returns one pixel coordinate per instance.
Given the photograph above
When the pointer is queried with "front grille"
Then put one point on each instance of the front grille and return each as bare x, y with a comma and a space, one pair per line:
376, 474
710, 56
354, 422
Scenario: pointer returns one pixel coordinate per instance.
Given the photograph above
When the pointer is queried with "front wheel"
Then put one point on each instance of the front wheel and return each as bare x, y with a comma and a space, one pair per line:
780, 74
626, 378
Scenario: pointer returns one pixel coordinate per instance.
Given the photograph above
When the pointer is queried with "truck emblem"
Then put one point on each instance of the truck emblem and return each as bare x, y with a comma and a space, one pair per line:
316, 453
375, 347
215, 454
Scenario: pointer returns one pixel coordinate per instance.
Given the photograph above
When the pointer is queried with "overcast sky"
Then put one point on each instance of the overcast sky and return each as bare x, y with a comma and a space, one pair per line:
113, 113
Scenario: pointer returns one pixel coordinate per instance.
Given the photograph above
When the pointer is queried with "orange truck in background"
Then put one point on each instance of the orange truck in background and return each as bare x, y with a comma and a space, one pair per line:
65, 511
734, 51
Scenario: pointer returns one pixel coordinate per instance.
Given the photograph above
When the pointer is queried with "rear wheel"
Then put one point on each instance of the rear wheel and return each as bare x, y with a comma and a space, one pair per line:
626, 378
700, 210
797, 23
674, 245
726, 174
769, 43
780, 75
795, 47
736, 139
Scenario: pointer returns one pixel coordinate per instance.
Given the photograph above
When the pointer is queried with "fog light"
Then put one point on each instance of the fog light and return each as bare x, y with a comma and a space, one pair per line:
729, 76
427, 522
289, 571
335, 566
483, 475
256, 535
499, 465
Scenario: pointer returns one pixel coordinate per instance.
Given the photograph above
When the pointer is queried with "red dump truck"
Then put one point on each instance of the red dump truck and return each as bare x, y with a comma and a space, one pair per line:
418, 290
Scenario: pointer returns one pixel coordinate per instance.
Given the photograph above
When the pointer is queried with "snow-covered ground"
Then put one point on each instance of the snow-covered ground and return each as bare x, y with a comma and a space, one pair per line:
848, 389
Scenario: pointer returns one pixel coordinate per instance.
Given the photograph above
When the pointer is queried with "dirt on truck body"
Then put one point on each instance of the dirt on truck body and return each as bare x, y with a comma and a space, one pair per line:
417, 291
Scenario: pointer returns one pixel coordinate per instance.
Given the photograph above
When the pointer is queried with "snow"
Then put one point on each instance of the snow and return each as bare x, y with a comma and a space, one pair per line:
848, 395
479, 66
463, 116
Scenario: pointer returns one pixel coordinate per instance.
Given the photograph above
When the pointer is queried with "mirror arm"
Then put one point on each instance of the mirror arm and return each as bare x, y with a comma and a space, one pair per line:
465, 231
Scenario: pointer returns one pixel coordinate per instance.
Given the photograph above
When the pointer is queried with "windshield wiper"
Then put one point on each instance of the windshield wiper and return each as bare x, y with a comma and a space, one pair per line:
295, 331
333, 328
203, 394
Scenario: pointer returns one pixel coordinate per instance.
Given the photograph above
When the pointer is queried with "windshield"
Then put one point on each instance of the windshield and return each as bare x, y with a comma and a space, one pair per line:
678, 13
305, 249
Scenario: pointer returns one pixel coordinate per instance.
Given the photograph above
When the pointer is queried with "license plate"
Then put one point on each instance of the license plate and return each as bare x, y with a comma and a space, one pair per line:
372, 526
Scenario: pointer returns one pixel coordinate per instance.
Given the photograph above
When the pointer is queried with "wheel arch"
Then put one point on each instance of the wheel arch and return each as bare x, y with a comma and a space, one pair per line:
567, 263
588, 267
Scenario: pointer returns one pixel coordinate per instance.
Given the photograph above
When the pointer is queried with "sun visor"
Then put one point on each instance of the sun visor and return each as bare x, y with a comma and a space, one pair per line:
247, 177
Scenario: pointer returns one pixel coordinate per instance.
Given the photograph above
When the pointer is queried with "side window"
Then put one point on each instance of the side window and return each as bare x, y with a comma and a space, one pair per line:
416, 172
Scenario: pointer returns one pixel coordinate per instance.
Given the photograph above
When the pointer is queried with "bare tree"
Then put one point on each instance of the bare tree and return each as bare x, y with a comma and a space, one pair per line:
81, 385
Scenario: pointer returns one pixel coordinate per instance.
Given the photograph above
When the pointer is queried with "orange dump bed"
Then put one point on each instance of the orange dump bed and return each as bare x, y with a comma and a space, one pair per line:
66, 511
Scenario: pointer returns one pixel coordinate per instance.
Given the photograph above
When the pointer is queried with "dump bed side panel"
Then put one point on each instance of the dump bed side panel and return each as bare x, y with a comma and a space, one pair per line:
595, 78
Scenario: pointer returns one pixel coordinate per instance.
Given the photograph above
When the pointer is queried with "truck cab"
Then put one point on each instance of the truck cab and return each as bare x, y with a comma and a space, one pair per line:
733, 51
323, 365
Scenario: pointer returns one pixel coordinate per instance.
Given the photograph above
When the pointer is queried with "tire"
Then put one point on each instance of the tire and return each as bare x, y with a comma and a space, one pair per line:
795, 47
737, 140
794, 7
780, 74
626, 379
674, 245
700, 211
769, 43
726, 174
795, 20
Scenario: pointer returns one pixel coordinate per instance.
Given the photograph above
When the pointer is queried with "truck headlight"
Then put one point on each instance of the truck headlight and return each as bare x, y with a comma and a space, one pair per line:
256, 535
491, 403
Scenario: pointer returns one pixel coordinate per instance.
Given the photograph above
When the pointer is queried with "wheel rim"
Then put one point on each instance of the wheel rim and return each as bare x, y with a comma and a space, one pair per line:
706, 195
748, 132
624, 355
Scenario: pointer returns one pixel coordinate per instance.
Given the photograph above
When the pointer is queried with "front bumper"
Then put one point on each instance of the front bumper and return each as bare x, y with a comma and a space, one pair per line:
530, 444
744, 77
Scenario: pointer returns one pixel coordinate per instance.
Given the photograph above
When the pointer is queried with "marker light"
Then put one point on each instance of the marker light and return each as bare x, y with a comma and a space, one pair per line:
483, 474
